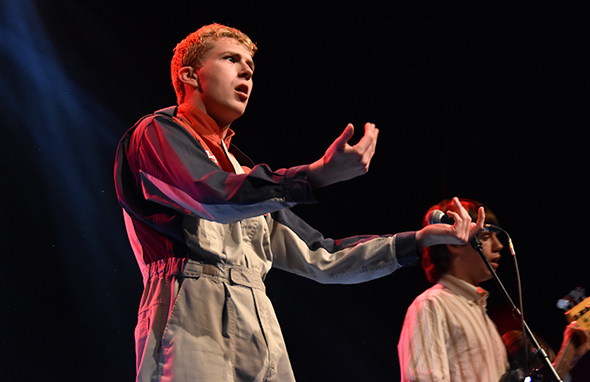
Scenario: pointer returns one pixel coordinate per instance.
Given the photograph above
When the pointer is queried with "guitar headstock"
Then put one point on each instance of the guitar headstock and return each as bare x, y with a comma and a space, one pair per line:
577, 307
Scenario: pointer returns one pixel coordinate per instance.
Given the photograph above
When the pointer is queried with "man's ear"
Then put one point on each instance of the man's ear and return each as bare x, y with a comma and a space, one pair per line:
188, 75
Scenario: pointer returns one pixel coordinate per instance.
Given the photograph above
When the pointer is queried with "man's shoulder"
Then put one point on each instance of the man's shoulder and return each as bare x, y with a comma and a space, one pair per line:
166, 114
163, 118
428, 305
169, 111
432, 295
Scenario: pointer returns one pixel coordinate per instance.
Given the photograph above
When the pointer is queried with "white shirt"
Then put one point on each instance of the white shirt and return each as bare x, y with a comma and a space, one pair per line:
448, 336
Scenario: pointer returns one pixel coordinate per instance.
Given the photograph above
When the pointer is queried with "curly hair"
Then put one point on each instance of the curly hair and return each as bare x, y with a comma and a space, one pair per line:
190, 51
436, 259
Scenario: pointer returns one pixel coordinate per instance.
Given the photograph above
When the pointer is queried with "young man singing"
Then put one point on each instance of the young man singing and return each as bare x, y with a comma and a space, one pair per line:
206, 225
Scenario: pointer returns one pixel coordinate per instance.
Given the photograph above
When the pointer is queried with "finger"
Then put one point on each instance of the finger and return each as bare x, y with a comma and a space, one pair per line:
370, 128
369, 141
457, 207
481, 217
369, 151
461, 224
457, 211
478, 226
455, 216
348, 132
375, 131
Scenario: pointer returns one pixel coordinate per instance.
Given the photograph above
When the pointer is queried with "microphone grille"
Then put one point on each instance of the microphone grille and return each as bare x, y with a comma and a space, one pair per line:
435, 217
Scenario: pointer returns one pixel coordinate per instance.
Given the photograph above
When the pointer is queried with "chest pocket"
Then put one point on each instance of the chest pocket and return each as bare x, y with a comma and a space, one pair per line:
235, 243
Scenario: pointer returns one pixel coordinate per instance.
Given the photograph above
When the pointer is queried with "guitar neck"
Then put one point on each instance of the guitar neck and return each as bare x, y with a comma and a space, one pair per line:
580, 313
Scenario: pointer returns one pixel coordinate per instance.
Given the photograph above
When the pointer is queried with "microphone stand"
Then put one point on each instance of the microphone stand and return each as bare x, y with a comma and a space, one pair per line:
540, 353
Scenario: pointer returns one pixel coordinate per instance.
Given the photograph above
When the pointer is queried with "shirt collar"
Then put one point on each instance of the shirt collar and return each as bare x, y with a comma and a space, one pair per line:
203, 124
476, 295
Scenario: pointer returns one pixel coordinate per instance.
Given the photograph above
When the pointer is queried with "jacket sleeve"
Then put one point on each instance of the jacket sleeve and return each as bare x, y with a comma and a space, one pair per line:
172, 169
300, 249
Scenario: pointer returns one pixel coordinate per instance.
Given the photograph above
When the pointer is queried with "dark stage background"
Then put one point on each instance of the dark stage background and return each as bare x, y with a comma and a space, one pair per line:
486, 102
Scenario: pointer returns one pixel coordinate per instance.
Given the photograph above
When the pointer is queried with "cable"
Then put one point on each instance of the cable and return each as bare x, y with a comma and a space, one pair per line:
520, 299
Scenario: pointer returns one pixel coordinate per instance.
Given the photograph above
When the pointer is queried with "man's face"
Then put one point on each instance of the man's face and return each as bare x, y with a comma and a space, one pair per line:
471, 266
225, 81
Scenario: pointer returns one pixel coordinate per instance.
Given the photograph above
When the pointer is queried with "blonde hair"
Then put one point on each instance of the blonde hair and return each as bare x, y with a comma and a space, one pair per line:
189, 52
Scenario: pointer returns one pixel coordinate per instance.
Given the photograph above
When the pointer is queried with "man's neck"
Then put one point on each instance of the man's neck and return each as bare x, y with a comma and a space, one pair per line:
458, 273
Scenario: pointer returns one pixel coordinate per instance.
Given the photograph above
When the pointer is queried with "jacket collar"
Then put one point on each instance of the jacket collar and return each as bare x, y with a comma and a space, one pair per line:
203, 124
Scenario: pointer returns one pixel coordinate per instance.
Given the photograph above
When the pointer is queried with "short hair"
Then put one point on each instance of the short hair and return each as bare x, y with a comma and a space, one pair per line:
190, 51
436, 259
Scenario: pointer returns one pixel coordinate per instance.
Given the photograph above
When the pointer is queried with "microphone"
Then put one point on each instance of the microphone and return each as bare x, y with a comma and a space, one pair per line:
439, 217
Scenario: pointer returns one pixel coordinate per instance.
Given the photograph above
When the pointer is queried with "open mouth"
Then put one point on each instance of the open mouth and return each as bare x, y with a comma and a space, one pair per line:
242, 91
495, 263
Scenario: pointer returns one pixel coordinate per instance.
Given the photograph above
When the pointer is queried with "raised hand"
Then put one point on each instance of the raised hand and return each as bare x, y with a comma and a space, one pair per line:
342, 161
459, 233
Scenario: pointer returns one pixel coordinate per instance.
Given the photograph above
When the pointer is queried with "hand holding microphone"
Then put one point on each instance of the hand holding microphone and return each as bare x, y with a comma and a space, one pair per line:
439, 217
459, 228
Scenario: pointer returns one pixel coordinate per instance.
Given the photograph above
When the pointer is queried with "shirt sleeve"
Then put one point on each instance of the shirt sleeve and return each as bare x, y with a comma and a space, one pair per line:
173, 169
422, 348
300, 249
